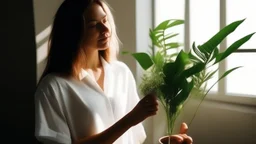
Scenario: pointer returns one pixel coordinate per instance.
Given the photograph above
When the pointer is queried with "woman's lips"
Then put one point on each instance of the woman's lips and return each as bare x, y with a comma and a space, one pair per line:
104, 37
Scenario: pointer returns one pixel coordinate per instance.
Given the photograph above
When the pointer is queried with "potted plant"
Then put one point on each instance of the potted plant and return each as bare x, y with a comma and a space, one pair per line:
176, 76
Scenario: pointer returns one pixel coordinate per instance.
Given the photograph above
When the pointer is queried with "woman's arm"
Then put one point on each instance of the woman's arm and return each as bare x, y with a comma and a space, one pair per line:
145, 108
109, 135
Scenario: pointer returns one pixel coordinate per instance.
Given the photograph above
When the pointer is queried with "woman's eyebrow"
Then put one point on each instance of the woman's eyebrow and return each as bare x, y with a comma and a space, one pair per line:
93, 20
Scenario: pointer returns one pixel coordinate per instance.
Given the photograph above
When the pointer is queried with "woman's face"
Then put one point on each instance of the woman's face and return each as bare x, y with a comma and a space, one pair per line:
97, 29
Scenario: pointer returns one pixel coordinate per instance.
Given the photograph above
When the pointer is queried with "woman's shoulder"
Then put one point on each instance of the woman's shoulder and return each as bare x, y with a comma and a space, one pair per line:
51, 82
50, 79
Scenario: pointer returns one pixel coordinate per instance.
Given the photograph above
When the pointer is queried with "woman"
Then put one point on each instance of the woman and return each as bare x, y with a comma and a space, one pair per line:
85, 95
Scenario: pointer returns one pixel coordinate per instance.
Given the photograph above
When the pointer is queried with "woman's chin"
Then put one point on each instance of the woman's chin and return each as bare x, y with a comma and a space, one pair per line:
103, 46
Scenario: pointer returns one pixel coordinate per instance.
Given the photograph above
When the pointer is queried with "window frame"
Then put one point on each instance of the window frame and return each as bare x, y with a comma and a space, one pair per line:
220, 95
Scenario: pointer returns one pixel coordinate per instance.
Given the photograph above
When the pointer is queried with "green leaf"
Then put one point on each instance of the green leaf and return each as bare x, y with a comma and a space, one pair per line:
172, 45
168, 91
194, 58
175, 23
222, 76
159, 36
228, 72
210, 75
162, 26
184, 93
181, 61
233, 48
198, 67
158, 60
198, 53
125, 52
173, 55
153, 38
215, 54
143, 59
166, 24
173, 71
169, 71
168, 36
208, 46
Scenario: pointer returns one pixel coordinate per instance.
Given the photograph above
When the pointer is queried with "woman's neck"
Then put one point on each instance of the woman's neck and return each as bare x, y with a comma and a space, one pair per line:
94, 68
93, 60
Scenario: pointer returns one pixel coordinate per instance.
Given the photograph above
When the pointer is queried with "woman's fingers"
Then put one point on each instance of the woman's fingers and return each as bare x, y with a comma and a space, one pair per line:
183, 128
151, 95
151, 106
188, 140
148, 106
150, 99
152, 109
176, 138
152, 113
181, 139
151, 103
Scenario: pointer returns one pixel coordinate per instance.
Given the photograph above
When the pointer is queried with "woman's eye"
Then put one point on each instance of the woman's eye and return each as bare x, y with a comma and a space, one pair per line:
92, 25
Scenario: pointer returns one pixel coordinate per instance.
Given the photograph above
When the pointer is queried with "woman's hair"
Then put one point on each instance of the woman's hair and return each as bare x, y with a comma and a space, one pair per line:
66, 56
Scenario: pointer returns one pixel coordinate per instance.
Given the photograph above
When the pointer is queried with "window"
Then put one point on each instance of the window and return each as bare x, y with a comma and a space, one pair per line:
202, 20
246, 55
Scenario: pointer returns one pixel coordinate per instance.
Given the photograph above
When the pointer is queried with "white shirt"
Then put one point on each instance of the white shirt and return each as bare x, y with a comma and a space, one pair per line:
68, 109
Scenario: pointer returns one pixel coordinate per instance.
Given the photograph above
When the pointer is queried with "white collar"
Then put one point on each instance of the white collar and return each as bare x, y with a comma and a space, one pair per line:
84, 73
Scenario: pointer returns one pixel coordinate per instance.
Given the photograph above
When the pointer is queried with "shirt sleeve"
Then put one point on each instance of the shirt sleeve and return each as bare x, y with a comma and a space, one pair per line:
50, 124
138, 132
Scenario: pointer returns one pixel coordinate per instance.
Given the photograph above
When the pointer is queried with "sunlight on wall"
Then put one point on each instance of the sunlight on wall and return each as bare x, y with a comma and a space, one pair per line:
42, 49
42, 52
44, 34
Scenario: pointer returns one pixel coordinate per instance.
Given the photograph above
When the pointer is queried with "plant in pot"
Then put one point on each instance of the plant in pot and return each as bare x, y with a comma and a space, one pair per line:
178, 75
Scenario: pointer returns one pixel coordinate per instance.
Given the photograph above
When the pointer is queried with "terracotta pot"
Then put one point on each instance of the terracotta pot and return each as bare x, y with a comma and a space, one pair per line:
164, 140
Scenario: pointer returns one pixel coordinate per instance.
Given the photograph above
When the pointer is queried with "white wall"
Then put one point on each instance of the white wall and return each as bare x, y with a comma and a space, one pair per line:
224, 123
215, 123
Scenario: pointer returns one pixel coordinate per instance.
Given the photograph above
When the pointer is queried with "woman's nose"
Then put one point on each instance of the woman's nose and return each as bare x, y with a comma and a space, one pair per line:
104, 28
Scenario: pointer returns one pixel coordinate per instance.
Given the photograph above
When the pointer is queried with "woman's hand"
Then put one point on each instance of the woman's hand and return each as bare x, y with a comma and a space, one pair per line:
146, 107
181, 138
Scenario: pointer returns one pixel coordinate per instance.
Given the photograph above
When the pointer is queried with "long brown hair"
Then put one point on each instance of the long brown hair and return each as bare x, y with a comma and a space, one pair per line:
65, 55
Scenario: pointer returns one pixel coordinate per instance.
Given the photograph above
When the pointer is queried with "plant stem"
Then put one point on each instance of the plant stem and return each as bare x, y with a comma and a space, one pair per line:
164, 45
168, 120
201, 102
